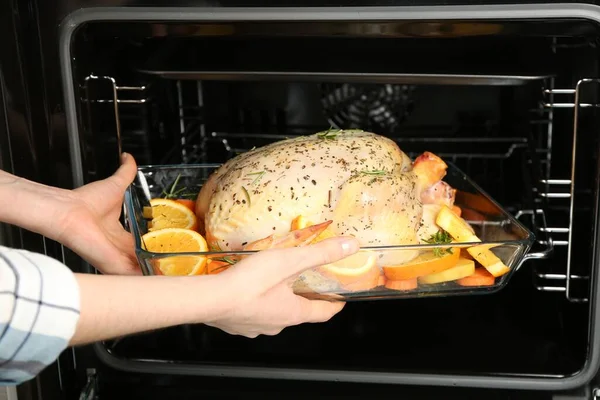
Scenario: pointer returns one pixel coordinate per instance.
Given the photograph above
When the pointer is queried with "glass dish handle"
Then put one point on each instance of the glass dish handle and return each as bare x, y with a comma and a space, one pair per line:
541, 227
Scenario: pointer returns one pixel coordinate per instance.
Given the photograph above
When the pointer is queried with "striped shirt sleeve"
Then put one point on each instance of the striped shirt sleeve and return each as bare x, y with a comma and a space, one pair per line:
39, 309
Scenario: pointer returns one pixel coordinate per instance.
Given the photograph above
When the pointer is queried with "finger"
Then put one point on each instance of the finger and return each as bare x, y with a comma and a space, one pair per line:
271, 267
123, 177
314, 311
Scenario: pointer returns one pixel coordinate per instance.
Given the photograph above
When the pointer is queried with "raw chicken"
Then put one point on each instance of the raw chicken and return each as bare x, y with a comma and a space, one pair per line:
360, 181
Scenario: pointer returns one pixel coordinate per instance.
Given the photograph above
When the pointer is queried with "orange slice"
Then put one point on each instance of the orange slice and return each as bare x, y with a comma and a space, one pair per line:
356, 272
177, 240
462, 269
424, 264
168, 213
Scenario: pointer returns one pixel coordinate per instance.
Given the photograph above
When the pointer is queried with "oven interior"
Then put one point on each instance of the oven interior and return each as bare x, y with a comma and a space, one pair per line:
503, 100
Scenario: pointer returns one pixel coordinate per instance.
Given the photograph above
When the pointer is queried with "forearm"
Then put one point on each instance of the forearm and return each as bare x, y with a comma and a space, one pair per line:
113, 306
30, 205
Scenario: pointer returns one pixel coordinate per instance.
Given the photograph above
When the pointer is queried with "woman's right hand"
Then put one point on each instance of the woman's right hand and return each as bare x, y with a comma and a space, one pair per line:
262, 300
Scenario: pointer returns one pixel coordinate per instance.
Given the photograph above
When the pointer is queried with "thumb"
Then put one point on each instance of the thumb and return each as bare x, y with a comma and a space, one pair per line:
271, 267
123, 177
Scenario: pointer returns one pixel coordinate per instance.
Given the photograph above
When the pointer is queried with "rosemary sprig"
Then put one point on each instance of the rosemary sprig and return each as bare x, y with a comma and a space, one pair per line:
374, 172
329, 134
440, 237
226, 259
247, 195
215, 247
258, 176
179, 193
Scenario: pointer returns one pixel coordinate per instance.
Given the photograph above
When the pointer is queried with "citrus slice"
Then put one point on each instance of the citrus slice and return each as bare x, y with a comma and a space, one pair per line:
424, 264
168, 213
463, 268
177, 240
356, 272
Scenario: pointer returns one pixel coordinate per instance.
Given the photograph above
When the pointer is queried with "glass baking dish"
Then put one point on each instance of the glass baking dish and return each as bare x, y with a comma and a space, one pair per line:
446, 267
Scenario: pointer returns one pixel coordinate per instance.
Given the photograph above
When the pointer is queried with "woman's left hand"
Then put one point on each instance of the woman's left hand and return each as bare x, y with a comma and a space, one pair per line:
85, 219
90, 224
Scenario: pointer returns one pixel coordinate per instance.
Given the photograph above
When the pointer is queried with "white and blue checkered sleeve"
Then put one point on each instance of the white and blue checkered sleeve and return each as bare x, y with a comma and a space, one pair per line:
39, 310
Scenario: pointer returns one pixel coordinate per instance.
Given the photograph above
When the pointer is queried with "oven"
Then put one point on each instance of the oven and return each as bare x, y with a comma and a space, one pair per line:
509, 93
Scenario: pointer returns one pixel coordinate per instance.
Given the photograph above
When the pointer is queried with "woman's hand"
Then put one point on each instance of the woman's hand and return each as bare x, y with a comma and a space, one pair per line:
263, 301
251, 298
85, 219
90, 226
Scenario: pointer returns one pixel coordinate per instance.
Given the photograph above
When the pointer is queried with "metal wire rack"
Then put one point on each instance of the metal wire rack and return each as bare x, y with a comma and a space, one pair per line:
553, 196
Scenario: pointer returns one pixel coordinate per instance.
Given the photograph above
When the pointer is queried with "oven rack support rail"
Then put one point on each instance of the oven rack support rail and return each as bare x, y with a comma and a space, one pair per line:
562, 191
550, 190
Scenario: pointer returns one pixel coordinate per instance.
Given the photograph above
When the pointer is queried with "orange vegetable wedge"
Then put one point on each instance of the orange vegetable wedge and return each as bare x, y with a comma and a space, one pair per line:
489, 260
481, 277
214, 267
356, 272
295, 238
424, 264
461, 231
462, 269
177, 240
407, 284
171, 214
457, 227
456, 210
300, 222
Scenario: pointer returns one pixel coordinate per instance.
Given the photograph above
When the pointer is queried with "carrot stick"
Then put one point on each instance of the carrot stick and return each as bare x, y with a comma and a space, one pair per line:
480, 278
405, 284
456, 210
215, 267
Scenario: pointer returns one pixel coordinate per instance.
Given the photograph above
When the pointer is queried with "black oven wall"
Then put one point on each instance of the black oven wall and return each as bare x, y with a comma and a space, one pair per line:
33, 143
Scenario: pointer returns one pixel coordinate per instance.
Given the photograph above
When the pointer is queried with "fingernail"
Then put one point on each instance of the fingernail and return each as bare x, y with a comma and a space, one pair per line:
124, 157
349, 246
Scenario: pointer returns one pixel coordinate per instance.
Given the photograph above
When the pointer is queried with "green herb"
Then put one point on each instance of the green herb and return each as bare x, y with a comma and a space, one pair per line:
374, 172
179, 193
247, 196
440, 237
258, 175
226, 259
329, 134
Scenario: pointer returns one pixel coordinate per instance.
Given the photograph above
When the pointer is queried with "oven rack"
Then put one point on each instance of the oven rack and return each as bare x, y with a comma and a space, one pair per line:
195, 145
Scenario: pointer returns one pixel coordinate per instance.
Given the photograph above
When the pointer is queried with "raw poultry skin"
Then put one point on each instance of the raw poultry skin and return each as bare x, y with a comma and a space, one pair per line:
359, 180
